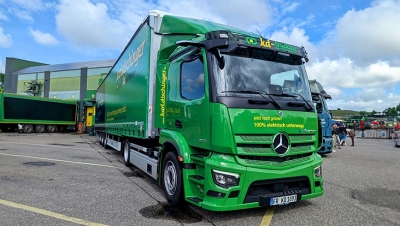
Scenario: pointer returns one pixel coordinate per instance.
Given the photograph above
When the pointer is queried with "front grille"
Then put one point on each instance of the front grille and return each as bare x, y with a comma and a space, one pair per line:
255, 137
275, 160
277, 187
262, 144
256, 148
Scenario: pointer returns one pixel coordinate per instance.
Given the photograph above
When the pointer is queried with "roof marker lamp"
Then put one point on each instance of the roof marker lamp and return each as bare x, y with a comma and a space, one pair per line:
225, 179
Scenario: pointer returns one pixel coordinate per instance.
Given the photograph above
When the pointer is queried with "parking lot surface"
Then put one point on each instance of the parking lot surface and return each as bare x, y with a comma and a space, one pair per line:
69, 179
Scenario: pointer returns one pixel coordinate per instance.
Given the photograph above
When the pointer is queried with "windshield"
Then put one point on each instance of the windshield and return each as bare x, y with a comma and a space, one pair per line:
261, 70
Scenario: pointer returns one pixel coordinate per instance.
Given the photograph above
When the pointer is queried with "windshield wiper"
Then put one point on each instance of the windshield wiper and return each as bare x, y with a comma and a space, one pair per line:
295, 95
255, 92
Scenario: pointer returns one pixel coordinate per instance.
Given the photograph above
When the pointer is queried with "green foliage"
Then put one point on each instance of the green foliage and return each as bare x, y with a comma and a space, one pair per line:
391, 112
1, 82
344, 113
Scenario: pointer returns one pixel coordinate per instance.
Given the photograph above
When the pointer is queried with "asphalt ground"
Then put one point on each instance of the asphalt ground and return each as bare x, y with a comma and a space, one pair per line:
68, 179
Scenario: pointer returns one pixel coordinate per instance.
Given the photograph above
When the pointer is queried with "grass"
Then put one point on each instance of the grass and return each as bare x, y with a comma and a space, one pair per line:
344, 113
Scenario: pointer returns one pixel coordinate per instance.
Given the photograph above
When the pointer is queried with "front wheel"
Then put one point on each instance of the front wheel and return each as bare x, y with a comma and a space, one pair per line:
172, 179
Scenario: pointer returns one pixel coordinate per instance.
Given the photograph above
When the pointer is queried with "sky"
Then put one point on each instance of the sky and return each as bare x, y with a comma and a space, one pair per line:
353, 45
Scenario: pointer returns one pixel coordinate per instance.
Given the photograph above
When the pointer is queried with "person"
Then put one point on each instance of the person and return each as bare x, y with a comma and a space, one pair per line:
352, 134
342, 138
335, 135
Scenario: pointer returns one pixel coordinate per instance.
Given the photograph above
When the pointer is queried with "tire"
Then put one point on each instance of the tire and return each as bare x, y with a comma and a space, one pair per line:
40, 128
27, 128
127, 153
51, 128
172, 179
105, 141
102, 139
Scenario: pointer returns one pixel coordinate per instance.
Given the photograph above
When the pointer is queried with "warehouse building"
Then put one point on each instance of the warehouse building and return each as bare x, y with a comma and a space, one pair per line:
70, 81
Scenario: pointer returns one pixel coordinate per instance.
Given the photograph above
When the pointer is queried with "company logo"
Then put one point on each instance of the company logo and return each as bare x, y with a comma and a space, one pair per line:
281, 144
251, 41
307, 131
266, 43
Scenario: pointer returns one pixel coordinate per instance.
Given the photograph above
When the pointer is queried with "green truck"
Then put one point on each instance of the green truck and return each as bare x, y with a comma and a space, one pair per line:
219, 117
36, 114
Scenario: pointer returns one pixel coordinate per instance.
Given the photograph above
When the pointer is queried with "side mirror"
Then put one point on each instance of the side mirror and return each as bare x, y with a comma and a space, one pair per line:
191, 57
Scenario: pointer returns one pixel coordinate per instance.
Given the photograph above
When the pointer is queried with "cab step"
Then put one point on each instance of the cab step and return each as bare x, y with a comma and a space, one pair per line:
200, 158
197, 179
196, 200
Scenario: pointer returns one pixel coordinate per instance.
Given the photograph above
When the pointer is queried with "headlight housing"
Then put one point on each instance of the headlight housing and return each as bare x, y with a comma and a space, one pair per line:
225, 179
318, 171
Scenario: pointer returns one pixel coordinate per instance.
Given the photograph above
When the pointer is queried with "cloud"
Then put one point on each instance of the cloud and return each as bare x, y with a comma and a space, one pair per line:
3, 16
2, 68
24, 9
87, 24
43, 38
360, 33
297, 37
5, 39
110, 24
357, 87
344, 73
31, 5
289, 7
249, 15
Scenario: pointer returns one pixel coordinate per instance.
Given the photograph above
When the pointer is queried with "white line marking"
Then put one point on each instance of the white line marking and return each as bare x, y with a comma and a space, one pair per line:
58, 160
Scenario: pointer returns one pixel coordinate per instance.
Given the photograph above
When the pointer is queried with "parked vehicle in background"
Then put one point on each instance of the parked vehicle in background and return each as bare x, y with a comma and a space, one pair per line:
220, 117
319, 97
36, 114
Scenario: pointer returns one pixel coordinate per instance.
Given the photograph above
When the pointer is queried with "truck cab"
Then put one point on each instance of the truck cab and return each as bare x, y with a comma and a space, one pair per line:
319, 97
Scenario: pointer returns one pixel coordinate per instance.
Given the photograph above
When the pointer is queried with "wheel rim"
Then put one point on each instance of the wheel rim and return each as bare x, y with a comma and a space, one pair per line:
40, 128
170, 178
126, 152
51, 129
28, 129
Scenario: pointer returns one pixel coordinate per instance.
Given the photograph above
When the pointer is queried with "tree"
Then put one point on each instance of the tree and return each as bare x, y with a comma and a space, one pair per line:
391, 112
1, 82
373, 112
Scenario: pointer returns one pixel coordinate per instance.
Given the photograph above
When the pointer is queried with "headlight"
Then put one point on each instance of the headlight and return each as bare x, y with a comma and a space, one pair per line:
318, 171
225, 179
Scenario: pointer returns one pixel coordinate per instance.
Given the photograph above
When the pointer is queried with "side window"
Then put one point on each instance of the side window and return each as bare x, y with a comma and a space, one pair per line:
192, 80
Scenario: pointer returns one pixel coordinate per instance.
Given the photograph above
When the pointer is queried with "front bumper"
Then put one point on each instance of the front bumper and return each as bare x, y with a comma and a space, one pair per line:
257, 185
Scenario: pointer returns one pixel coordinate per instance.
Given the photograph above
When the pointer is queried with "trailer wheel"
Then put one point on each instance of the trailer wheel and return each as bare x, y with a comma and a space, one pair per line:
40, 128
127, 153
51, 128
103, 139
27, 128
172, 179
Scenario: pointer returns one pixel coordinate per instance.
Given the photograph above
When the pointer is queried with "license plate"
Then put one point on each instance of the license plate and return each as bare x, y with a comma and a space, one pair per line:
282, 200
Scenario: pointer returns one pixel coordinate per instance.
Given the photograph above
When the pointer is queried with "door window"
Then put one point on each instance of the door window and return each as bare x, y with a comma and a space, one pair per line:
192, 80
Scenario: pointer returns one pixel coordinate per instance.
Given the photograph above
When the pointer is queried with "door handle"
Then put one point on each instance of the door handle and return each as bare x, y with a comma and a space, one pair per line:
178, 124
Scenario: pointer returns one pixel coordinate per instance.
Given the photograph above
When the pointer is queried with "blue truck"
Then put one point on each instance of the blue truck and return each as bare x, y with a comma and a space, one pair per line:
319, 97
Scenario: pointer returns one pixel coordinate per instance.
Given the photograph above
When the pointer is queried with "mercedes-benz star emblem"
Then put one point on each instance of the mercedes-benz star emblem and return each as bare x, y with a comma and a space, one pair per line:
281, 144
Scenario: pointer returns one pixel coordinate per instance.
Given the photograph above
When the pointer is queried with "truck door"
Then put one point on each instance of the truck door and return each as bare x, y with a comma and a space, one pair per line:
190, 114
